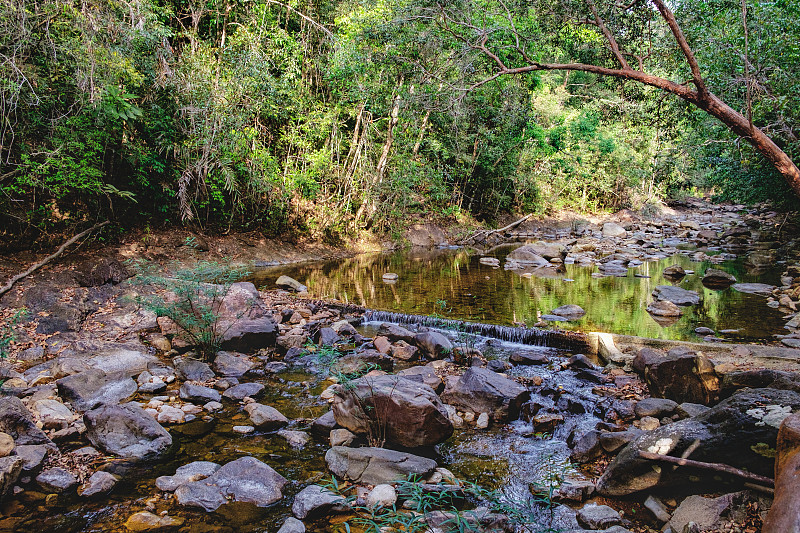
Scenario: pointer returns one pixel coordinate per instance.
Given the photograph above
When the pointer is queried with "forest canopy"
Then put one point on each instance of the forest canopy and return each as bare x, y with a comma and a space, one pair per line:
330, 117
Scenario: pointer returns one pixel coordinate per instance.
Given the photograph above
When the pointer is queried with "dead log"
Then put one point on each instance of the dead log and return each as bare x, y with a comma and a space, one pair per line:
716, 467
33, 268
484, 234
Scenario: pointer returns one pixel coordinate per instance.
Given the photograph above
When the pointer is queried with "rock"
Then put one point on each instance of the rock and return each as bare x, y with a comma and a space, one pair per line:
482, 391
647, 423
374, 466
676, 295
244, 480
90, 388
403, 351
285, 282
690, 224
382, 495
784, 515
718, 279
704, 331
674, 271
548, 250
382, 344
529, 358
423, 374
403, 412
664, 308
249, 335
483, 421
192, 370
6, 444
229, 364
292, 525
705, 513
199, 393
186, 474
396, 333
363, 361
570, 311
736, 432
389, 276
596, 516
611, 229
127, 431
105, 270
657, 509
56, 480
341, 437
240, 392
99, 483
17, 421
587, 448
296, 439
490, 261
326, 337
526, 256
10, 469
265, 417
688, 409
754, 288
53, 414
121, 361
574, 491
322, 426
147, 521
170, 415
682, 376
33, 455
433, 344
315, 501
656, 407
243, 430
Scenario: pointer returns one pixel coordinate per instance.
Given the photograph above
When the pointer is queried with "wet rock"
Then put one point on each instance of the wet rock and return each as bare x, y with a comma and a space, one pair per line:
53, 414
718, 279
147, 521
10, 469
374, 466
482, 391
612, 229
596, 516
674, 271
404, 412
664, 308
498, 365
189, 369
265, 417
580, 362
33, 455
587, 448
784, 515
56, 480
98, 484
326, 337
364, 361
296, 439
570, 311
186, 474
315, 501
249, 335
127, 431
676, 295
574, 491
17, 421
705, 513
732, 432
322, 426
292, 525
754, 288
423, 374
285, 282
90, 388
199, 393
243, 430
656, 407
526, 256
704, 331
244, 480
433, 344
229, 364
529, 358
240, 392
680, 375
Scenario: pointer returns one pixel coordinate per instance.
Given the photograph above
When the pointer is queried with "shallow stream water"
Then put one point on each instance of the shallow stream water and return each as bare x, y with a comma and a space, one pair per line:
453, 284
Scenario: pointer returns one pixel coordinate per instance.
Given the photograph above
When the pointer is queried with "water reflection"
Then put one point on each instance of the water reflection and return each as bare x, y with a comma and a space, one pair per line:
453, 284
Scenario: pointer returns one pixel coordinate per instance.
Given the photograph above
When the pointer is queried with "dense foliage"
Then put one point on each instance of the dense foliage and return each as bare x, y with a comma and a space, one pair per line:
331, 117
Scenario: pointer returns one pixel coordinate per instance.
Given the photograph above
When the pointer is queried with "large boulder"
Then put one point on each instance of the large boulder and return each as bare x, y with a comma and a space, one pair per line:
396, 333
17, 421
249, 335
121, 361
245, 480
127, 431
433, 344
738, 431
374, 466
90, 388
680, 375
482, 391
548, 250
676, 295
393, 409
784, 515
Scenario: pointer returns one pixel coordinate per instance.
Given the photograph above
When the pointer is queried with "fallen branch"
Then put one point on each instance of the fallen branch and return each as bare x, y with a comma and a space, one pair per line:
716, 467
484, 234
7, 287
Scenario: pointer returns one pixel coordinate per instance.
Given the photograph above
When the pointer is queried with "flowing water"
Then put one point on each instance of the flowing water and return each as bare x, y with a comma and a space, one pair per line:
452, 284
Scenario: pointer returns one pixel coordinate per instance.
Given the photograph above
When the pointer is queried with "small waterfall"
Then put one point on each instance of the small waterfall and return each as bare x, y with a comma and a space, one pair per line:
569, 340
